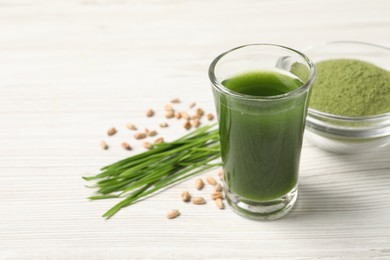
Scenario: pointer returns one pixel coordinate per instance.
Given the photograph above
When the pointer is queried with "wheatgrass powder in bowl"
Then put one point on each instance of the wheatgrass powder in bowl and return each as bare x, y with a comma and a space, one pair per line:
349, 108
350, 87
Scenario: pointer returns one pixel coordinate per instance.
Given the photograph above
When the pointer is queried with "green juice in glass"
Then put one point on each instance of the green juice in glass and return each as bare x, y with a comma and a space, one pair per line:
261, 144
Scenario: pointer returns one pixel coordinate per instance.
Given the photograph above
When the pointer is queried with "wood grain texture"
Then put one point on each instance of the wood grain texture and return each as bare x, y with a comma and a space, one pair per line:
72, 69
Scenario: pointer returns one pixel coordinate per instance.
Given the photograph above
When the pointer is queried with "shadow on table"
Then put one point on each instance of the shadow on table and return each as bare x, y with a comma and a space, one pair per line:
360, 186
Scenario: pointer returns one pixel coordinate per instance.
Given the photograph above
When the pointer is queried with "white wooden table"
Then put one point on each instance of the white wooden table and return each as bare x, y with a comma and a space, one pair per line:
72, 69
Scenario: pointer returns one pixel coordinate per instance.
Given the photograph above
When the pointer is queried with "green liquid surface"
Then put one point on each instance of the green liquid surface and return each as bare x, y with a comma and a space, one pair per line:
261, 140
262, 83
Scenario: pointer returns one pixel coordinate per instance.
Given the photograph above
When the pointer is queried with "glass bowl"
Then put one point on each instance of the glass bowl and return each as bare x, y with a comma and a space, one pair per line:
343, 134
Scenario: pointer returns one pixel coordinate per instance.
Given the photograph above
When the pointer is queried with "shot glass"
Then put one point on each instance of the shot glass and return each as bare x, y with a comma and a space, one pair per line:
261, 136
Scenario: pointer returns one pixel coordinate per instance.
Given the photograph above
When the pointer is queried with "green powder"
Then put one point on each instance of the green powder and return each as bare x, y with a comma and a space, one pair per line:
350, 87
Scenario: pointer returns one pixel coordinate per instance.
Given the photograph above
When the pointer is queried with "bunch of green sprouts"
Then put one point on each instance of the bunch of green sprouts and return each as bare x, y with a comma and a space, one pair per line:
138, 177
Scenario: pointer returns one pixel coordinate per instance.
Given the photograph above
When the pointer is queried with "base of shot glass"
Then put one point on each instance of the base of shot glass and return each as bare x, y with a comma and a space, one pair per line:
266, 210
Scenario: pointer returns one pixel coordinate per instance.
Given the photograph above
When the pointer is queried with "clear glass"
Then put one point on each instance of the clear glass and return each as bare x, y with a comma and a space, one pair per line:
348, 134
342, 134
261, 136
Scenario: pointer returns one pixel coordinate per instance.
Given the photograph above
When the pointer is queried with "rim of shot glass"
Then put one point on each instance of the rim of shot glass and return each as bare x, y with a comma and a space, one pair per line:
220, 87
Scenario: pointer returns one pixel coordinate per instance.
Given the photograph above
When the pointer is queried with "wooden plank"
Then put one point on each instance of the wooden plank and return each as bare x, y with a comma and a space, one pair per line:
72, 69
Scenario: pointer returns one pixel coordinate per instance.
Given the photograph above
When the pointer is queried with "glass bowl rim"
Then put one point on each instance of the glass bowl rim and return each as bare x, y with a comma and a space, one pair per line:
348, 127
368, 44
352, 119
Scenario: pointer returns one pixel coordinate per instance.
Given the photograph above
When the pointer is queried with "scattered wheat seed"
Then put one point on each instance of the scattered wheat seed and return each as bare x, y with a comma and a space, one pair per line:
152, 133
140, 135
195, 123
103, 145
149, 113
199, 184
170, 114
126, 146
218, 188
175, 101
164, 125
194, 117
192, 104
210, 117
200, 112
217, 195
185, 196
185, 116
187, 125
131, 127
111, 131
148, 145
168, 107
178, 115
147, 131
198, 201
173, 213
219, 203
211, 181
159, 140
